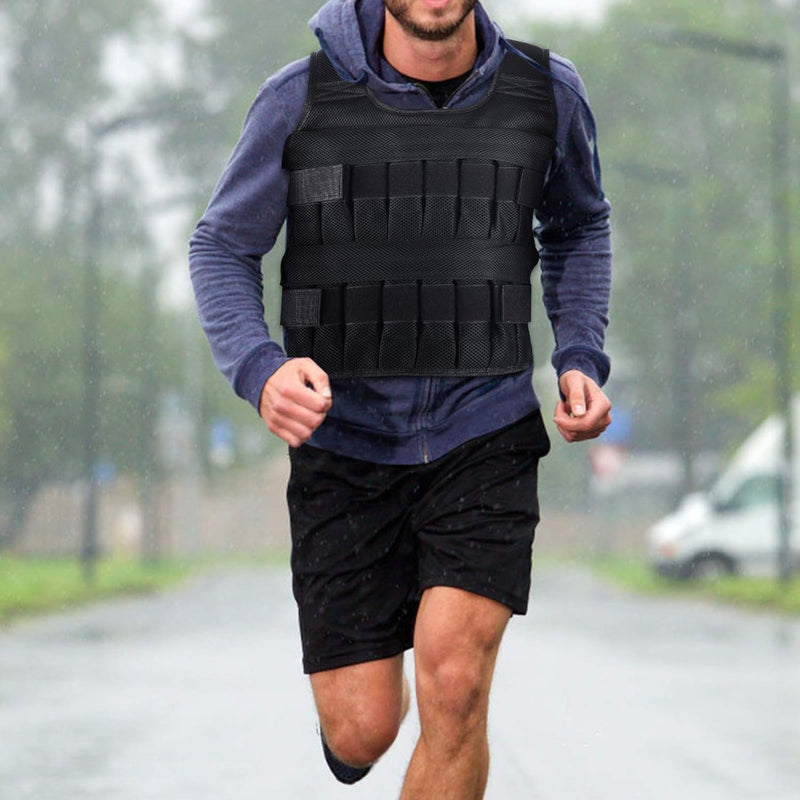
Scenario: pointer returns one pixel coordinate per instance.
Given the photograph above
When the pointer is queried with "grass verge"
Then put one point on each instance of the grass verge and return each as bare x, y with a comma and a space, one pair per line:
763, 593
29, 585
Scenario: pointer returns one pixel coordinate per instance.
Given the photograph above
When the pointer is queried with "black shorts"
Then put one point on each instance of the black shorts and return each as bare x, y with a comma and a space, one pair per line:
368, 539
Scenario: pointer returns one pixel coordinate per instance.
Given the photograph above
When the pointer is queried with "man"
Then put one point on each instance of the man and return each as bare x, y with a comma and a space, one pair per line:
409, 156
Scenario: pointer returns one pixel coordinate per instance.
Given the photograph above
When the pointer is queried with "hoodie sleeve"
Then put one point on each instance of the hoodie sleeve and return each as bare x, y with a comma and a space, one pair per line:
240, 225
575, 237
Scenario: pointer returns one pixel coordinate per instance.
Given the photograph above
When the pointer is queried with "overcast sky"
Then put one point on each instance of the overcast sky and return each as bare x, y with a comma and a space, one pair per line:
586, 10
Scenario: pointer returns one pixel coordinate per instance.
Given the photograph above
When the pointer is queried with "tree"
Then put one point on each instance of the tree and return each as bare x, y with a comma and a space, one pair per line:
75, 120
684, 139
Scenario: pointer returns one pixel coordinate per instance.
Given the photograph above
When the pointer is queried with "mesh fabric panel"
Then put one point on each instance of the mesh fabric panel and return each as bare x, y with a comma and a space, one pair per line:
474, 345
337, 222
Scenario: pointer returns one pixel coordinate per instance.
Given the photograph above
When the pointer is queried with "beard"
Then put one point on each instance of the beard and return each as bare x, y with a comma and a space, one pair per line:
422, 29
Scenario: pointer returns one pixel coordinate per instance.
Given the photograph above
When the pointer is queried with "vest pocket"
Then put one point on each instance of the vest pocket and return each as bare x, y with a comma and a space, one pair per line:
370, 219
361, 347
328, 347
299, 341
476, 197
439, 218
337, 222
398, 346
405, 218
504, 345
474, 345
506, 224
362, 312
305, 225
398, 349
436, 349
369, 184
405, 190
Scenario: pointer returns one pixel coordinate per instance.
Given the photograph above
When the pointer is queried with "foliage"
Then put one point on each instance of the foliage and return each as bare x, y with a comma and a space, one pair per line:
79, 198
40, 388
751, 592
224, 70
36, 585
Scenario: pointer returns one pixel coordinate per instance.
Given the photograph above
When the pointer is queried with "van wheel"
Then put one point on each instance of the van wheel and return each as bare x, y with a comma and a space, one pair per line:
711, 567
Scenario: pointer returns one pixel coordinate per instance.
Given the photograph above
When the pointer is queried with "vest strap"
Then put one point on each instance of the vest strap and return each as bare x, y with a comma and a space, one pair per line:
353, 262
420, 142
407, 302
470, 179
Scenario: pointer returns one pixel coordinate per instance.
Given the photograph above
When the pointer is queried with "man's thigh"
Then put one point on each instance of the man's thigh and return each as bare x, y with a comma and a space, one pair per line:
456, 642
370, 691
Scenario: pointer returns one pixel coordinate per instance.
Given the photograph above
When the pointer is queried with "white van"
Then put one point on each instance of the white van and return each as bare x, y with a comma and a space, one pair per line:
733, 528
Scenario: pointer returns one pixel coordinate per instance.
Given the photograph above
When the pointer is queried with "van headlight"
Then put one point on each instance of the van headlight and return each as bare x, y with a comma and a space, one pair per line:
667, 550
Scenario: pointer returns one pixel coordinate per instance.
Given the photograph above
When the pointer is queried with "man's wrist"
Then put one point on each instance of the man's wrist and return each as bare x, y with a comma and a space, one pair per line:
593, 363
257, 370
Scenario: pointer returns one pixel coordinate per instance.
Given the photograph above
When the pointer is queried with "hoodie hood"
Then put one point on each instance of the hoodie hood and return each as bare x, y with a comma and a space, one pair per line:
350, 31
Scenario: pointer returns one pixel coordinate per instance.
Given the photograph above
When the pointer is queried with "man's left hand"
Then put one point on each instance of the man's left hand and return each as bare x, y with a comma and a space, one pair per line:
586, 412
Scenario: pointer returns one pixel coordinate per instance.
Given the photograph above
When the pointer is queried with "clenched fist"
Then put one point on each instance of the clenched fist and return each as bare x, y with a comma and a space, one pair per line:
586, 411
295, 400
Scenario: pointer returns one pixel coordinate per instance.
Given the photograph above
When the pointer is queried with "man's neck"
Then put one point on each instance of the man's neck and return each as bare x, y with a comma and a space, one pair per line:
426, 60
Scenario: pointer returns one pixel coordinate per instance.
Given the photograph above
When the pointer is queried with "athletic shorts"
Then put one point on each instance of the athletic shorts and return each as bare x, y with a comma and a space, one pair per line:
368, 539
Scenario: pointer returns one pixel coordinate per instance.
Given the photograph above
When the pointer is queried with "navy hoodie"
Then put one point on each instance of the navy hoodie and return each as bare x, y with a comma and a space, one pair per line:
400, 420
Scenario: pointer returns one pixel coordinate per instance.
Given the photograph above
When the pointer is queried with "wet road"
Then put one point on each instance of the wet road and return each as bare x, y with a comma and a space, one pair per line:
197, 694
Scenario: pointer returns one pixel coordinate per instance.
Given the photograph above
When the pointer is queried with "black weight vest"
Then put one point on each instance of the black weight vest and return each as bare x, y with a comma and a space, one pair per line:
410, 232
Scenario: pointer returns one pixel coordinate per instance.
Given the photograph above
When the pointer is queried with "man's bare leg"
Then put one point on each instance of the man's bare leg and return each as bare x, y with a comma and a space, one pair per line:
361, 707
456, 641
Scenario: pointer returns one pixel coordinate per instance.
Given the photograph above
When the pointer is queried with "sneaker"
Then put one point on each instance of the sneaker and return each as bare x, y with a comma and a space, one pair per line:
343, 772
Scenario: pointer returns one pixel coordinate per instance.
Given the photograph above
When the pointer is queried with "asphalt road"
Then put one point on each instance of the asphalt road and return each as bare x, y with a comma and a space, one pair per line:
198, 694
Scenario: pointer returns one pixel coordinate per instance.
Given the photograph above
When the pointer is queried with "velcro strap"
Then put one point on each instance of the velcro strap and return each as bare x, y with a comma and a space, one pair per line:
507, 180
362, 303
368, 181
528, 185
473, 302
300, 308
515, 303
400, 302
316, 185
477, 180
441, 178
437, 302
405, 179
406, 302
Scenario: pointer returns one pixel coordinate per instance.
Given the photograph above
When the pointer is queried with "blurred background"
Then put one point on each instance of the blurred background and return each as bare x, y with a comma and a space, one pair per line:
119, 438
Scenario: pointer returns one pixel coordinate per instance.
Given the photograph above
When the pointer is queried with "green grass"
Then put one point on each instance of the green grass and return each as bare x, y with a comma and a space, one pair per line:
34, 585
764, 593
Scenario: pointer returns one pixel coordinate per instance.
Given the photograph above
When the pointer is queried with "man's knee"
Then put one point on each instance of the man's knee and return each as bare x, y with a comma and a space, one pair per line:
454, 684
455, 662
360, 708
360, 739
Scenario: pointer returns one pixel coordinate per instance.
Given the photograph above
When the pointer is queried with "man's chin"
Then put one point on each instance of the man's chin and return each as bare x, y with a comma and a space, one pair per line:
432, 29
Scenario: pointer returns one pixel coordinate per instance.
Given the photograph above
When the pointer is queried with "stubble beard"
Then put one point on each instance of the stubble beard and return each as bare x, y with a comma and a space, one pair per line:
400, 10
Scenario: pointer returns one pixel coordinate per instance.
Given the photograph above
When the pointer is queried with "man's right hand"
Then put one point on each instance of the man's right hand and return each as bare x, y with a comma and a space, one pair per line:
295, 400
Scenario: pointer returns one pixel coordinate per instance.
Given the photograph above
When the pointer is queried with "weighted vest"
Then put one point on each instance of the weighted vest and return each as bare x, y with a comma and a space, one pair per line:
410, 233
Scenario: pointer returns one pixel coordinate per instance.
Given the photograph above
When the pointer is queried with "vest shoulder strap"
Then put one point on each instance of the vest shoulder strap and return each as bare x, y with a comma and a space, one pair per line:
538, 54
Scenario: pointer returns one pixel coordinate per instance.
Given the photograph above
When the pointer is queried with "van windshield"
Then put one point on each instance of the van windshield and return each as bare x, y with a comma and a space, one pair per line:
757, 490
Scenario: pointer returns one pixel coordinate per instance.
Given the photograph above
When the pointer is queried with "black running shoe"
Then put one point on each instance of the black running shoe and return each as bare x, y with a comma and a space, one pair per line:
343, 772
